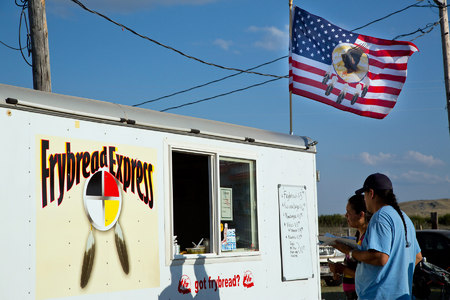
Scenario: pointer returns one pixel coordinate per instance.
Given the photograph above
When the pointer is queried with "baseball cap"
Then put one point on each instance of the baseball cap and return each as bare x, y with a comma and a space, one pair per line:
375, 181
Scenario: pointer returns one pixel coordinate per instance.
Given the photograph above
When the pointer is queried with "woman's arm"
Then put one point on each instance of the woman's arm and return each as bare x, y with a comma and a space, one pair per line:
418, 258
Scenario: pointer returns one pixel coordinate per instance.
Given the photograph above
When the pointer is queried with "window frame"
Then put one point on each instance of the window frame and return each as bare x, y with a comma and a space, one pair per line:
215, 154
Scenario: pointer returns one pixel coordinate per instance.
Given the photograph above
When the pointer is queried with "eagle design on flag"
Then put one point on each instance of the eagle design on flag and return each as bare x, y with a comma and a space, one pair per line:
352, 72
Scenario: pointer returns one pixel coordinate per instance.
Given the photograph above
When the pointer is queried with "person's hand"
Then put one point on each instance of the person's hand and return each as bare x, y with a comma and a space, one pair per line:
337, 269
332, 267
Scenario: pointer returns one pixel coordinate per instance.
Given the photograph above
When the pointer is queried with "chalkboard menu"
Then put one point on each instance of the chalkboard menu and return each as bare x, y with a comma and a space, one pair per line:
294, 232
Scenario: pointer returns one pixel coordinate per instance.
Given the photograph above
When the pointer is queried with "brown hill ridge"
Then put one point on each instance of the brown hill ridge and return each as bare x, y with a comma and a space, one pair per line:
425, 207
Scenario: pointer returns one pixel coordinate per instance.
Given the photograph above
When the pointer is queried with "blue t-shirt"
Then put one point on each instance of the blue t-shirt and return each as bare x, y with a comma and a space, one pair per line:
386, 234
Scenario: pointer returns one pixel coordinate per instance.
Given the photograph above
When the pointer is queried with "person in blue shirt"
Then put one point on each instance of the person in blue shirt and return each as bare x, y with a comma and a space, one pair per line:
390, 251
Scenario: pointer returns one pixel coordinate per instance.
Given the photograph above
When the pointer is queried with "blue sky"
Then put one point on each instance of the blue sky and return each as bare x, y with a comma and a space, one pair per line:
93, 58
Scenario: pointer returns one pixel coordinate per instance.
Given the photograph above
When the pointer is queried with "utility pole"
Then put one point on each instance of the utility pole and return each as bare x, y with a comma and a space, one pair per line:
443, 17
39, 45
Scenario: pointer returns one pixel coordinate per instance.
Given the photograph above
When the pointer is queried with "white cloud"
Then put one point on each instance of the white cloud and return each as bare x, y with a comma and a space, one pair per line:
375, 159
417, 177
225, 45
272, 38
428, 160
412, 158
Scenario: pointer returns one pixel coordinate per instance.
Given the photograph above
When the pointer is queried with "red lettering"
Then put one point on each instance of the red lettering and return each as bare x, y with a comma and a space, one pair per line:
119, 167
126, 173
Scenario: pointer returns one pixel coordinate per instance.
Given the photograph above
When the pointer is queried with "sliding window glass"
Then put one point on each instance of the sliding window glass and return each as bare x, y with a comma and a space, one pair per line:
238, 213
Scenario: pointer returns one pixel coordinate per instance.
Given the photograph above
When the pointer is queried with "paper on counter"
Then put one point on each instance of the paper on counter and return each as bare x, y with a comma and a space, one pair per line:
329, 239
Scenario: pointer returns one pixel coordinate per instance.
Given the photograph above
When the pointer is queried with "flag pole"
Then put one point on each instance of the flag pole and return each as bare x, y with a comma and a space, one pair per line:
290, 92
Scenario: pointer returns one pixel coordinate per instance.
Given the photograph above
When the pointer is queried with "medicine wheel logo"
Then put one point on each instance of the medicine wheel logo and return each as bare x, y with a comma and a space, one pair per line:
102, 200
103, 203
184, 285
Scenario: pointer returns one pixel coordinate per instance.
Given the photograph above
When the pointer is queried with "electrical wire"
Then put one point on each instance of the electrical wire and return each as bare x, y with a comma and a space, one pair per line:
28, 45
226, 77
432, 25
396, 12
240, 71
11, 47
208, 83
169, 47
221, 95
23, 5
387, 16
429, 25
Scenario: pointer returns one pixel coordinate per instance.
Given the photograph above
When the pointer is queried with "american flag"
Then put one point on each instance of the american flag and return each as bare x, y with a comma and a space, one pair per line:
352, 72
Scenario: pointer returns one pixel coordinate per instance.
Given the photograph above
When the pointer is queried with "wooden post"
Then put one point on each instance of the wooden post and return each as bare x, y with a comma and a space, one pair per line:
434, 220
291, 132
443, 15
39, 45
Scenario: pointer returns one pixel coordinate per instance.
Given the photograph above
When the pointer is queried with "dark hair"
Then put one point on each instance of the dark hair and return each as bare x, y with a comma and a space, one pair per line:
359, 205
389, 198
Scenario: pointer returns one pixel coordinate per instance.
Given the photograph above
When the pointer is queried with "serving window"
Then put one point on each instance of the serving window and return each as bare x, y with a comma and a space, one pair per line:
214, 206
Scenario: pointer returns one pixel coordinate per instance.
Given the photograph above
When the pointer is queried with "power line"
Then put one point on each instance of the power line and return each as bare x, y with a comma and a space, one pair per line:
262, 83
226, 77
208, 83
28, 45
221, 95
396, 12
11, 47
23, 5
240, 71
259, 84
429, 25
391, 14
169, 47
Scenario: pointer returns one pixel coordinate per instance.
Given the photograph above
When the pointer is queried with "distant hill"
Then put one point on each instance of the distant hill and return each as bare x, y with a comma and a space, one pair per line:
423, 208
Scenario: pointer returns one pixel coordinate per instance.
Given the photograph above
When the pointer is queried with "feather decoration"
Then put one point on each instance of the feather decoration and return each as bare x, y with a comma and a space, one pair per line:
88, 260
121, 248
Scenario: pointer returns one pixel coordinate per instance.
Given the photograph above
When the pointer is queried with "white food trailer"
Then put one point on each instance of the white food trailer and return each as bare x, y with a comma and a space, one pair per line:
105, 201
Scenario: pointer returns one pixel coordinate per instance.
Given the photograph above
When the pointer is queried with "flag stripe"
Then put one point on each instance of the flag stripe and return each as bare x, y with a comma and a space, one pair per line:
391, 54
376, 99
372, 76
392, 66
314, 68
317, 81
393, 84
390, 77
313, 95
383, 42
305, 82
